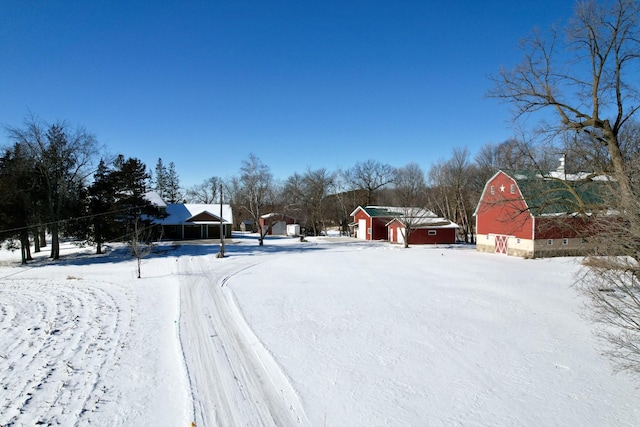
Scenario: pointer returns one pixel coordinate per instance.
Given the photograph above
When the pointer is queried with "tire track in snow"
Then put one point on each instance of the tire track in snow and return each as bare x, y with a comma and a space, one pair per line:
54, 373
234, 379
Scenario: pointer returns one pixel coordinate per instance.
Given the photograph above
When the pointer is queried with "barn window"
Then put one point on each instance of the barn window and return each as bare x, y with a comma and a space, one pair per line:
432, 232
513, 189
493, 189
518, 240
565, 241
369, 230
549, 241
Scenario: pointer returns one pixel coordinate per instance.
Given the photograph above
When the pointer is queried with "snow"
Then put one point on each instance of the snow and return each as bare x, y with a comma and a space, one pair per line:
334, 331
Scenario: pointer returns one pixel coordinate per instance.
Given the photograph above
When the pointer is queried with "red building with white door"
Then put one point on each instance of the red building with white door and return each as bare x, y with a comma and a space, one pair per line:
389, 223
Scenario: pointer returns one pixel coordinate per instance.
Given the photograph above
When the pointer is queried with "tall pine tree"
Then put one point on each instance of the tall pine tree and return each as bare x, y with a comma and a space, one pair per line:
159, 181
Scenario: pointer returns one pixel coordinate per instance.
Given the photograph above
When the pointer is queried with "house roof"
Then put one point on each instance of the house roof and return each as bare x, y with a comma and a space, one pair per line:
196, 213
155, 199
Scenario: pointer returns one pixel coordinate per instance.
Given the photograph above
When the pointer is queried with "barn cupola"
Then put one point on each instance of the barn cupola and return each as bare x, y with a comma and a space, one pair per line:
561, 169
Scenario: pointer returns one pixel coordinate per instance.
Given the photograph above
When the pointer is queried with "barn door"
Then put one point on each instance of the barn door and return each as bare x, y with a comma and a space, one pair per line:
362, 229
501, 244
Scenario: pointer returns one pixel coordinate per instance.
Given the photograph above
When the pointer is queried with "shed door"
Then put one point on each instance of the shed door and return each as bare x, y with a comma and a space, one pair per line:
501, 244
279, 228
400, 236
362, 229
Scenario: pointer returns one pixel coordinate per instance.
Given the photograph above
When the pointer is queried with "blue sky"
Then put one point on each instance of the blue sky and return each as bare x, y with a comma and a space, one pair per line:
300, 84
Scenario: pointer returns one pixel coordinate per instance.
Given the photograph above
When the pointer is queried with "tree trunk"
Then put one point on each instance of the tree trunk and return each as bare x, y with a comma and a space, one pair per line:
621, 175
23, 254
260, 235
36, 240
55, 242
25, 249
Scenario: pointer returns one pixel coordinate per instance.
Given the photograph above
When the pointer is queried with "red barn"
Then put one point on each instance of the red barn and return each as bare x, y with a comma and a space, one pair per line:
534, 215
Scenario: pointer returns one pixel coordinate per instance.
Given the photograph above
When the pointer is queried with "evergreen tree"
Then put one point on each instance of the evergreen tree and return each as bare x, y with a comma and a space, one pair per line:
101, 198
159, 182
117, 200
172, 185
16, 180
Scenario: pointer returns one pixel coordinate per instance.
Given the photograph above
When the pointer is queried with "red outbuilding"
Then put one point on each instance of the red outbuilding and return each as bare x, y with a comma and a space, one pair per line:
371, 221
276, 223
535, 215
390, 222
423, 232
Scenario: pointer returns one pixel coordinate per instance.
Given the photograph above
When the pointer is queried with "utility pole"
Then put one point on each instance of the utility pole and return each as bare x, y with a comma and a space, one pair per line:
221, 226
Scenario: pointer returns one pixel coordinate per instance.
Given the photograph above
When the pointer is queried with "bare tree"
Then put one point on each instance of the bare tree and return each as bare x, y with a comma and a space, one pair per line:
294, 198
595, 95
64, 157
410, 194
369, 176
141, 244
589, 80
206, 192
450, 191
256, 191
307, 196
340, 203
318, 184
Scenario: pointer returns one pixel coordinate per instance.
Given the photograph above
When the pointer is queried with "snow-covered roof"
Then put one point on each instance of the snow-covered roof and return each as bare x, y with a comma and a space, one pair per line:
395, 211
422, 222
558, 174
196, 213
155, 199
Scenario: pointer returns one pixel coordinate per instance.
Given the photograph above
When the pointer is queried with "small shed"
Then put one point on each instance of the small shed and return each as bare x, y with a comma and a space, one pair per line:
293, 229
275, 223
247, 225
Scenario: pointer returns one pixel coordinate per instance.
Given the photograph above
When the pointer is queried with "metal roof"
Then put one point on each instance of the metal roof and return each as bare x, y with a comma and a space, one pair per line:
549, 195
395, 211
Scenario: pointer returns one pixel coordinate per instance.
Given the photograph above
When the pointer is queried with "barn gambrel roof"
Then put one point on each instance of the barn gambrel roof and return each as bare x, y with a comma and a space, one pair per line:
553, 194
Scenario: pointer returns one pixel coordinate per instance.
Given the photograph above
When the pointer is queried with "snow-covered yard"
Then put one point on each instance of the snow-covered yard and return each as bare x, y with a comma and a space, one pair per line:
333, 332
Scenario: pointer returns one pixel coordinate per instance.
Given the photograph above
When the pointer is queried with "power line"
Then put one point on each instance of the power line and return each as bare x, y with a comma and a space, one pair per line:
67, 220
